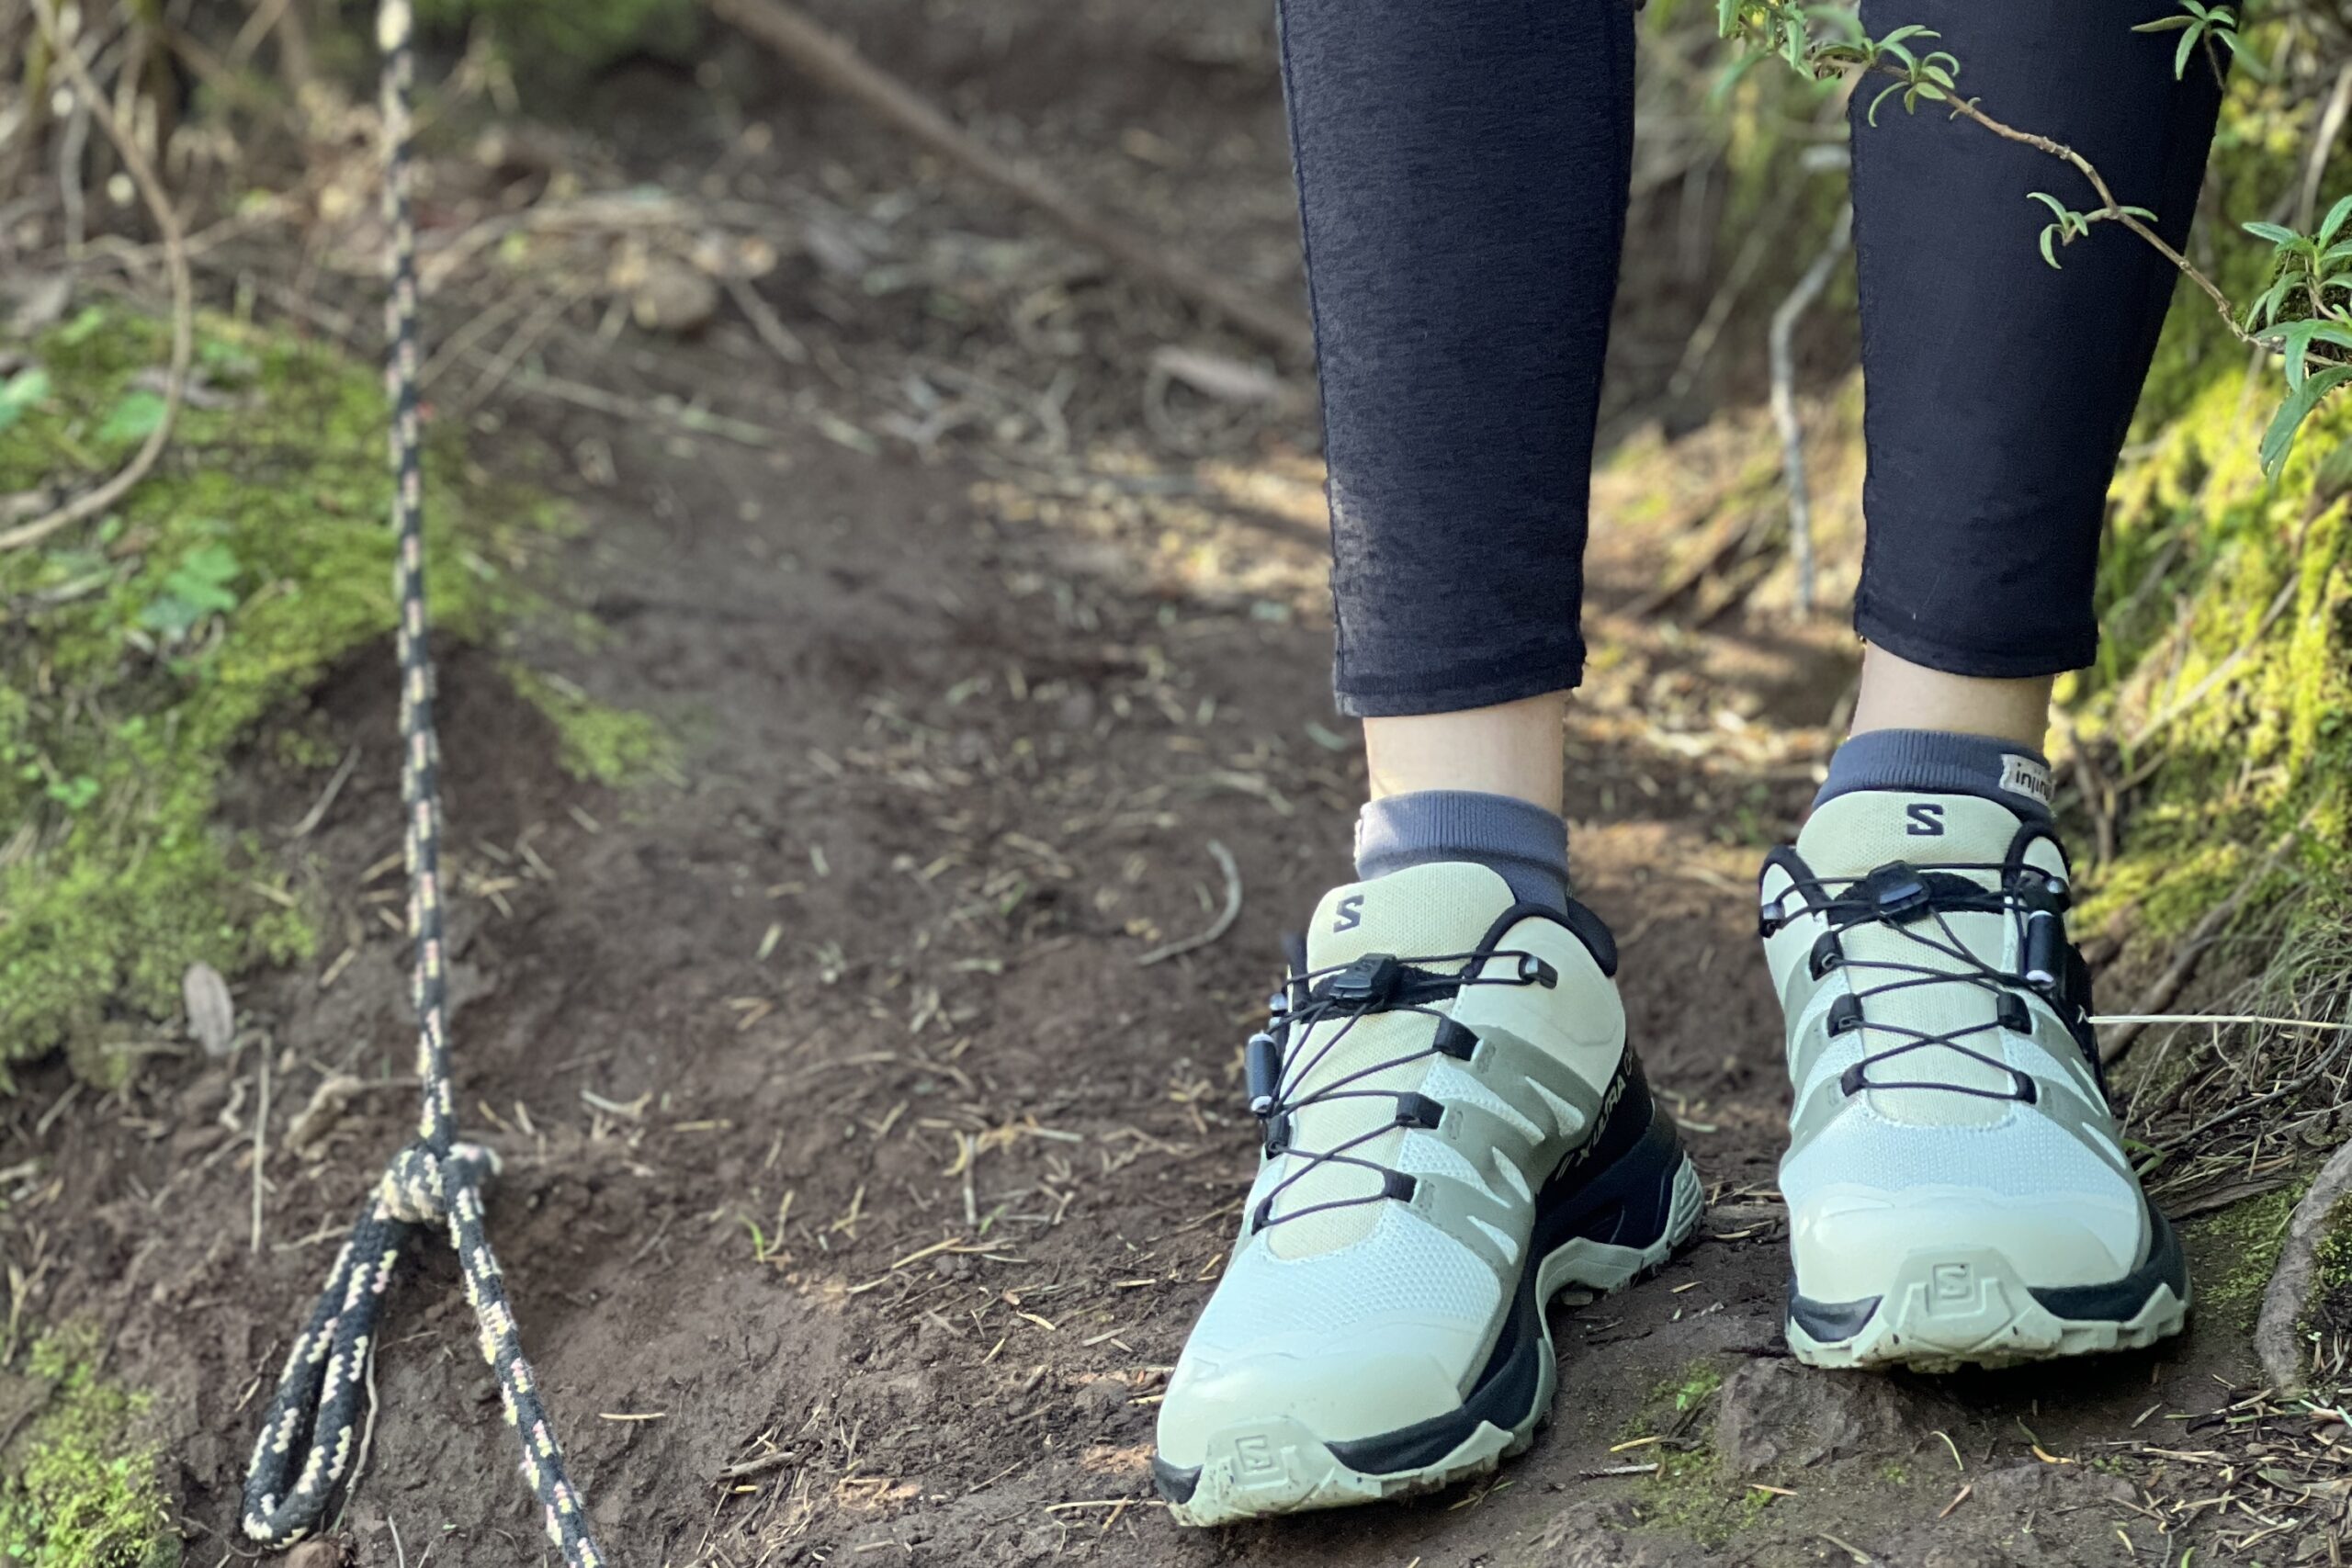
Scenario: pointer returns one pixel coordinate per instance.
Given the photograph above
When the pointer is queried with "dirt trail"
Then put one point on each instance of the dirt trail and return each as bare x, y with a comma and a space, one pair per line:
958, 738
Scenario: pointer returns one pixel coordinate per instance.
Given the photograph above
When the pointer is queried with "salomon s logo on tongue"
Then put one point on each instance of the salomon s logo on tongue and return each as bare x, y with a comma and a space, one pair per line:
1351, 914
1926, 820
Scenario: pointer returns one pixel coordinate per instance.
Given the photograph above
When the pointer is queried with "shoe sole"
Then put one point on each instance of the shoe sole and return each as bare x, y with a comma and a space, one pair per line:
1949, 1307
1618, 1226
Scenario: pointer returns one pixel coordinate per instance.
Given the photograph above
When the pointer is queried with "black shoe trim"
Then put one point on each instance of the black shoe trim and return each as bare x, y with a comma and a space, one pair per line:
1174, 1484
1617, 1187
2167, 1264
1829, 1322
2119, 1301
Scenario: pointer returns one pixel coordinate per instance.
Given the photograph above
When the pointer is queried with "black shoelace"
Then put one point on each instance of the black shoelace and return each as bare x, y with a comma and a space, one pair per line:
1373, 985
1917, 901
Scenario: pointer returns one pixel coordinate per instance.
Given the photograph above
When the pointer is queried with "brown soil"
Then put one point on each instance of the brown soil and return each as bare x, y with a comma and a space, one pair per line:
960, 732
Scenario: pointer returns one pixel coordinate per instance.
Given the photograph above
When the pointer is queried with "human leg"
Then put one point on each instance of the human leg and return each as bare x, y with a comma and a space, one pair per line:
1452, 1126
1957, 1188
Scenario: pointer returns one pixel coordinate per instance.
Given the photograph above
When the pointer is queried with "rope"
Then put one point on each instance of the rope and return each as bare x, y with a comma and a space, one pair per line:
307, 1438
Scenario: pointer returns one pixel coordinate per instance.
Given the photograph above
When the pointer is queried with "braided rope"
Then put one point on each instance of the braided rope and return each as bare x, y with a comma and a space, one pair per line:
307, 1438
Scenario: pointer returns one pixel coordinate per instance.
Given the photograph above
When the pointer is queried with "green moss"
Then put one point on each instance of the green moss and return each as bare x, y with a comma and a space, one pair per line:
2232, 1252
569, 37
76, 1490
604, 745
2225, 667
137, 652
1691, 1494
1689, 1491
1698, 1381
2331, 1307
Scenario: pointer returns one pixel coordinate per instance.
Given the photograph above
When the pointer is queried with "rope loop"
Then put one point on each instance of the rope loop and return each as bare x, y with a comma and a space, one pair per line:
421, 1183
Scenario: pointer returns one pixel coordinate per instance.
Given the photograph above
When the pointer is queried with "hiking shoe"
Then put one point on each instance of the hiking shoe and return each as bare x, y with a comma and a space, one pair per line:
1453, 1129
1957, 1191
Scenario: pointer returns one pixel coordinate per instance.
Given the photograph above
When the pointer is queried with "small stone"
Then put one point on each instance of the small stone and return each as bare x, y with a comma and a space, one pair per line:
674, 298
211, 1016
1778, 1417
331, 1552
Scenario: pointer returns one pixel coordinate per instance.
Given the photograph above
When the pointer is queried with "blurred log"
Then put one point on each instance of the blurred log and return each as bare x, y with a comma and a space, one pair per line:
833, 63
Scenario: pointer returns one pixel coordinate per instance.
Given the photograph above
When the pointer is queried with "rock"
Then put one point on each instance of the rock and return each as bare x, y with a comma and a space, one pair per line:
211, 1016
674, 298
1097, 1398
1777, 1416
331, 1552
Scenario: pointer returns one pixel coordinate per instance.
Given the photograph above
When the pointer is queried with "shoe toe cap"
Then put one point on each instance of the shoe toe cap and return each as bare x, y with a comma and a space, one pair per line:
1848, 1244
1383, 1376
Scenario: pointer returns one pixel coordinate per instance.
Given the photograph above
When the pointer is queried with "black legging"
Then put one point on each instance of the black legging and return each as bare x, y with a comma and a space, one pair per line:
1463, 168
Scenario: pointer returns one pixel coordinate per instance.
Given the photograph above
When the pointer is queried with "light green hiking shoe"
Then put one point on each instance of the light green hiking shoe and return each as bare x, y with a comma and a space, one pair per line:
1453, 1131
1957, 1191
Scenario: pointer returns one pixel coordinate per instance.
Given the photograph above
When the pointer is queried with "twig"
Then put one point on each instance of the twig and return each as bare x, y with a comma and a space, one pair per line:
2278, 1332
834, 63
1225, 916
2323, 134
748, 1468
91, 502
1784, 399
317, 814
765, 321
367, 1440
261, 1137
2110, 209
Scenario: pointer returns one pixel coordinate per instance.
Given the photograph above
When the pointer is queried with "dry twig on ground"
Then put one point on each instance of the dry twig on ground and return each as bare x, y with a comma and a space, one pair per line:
92, 503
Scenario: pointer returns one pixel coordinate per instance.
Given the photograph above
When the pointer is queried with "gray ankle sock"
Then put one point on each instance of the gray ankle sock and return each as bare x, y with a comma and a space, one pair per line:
1527, 845
1937, 762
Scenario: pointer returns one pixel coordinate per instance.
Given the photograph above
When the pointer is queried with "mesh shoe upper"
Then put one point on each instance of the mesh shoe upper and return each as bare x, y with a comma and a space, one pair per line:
1942, 1094
1345, 1306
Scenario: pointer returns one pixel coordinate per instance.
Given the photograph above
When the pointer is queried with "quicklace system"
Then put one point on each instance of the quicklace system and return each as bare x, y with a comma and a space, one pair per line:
1374, 984
1917, 901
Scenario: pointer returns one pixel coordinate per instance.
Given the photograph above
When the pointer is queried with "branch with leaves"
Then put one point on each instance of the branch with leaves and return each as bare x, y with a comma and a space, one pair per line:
2304, 315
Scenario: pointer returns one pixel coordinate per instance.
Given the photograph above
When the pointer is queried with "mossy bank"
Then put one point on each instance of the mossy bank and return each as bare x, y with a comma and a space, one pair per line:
139, 650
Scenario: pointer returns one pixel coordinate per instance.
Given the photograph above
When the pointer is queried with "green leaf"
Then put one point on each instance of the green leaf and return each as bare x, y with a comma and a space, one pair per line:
1872, 115
133, 419
20, 393
2265, 310
2276, 234
85, 325
2248, 62
2165, 23
2334, 222
2279, 441
2180, 56
2049, 233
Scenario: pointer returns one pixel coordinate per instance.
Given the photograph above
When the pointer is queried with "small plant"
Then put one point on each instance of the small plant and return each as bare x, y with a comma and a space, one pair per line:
2297, 318
2208, 25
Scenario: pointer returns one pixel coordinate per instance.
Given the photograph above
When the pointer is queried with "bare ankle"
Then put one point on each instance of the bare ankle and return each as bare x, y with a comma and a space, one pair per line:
1899, 694
1513, 749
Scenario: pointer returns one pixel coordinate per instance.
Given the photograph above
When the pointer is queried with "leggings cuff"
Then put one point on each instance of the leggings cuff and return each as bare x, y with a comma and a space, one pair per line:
1485, 684
2044, 655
